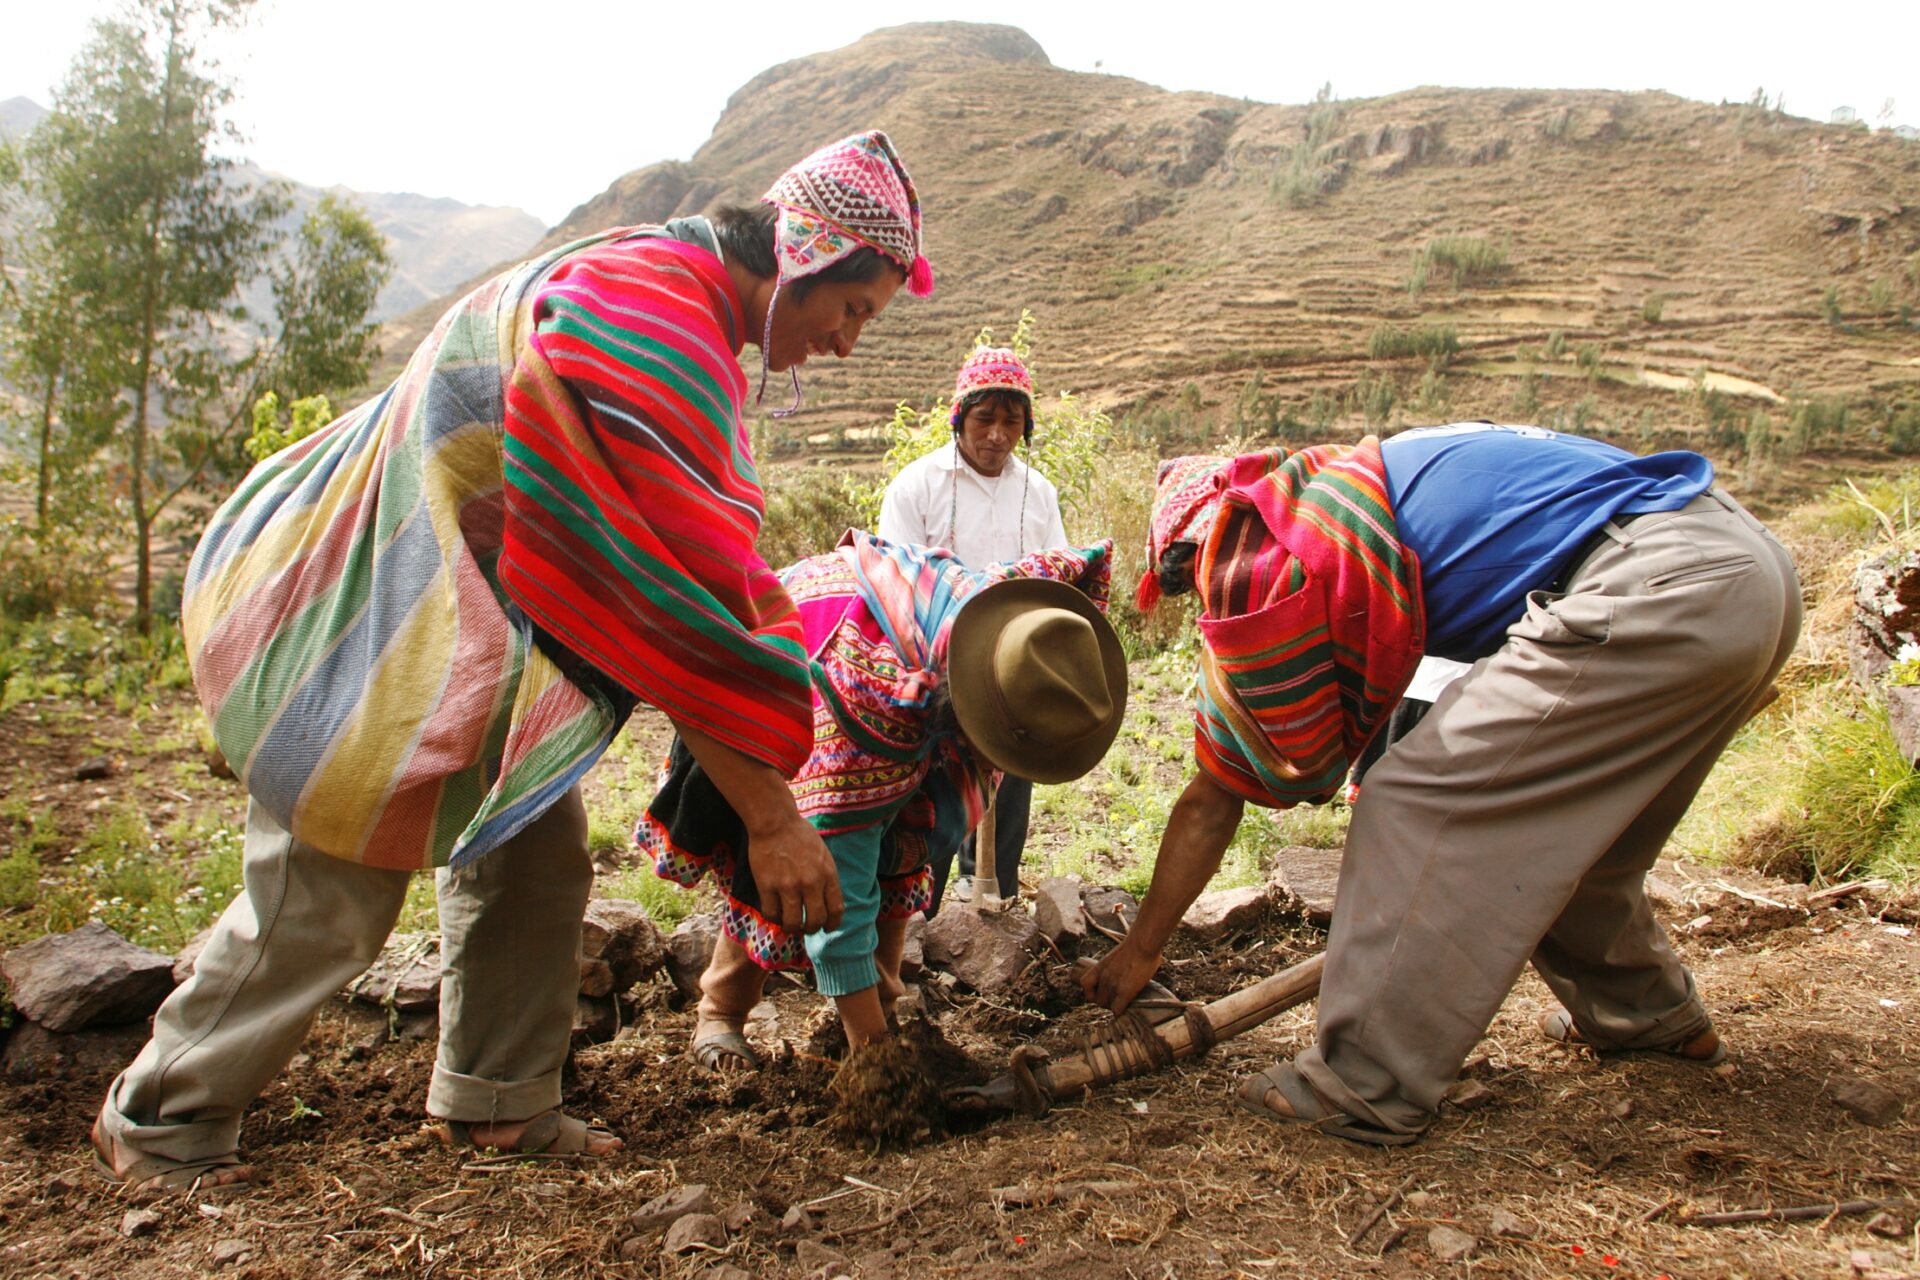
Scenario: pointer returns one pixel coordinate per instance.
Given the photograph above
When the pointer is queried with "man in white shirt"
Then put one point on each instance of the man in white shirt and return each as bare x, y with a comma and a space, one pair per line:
978, 500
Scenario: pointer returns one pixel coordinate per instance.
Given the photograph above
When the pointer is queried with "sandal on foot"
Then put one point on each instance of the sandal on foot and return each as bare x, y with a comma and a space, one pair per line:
1306, 1108
154, 1175
716, 1048
1558, 1027
549, 1135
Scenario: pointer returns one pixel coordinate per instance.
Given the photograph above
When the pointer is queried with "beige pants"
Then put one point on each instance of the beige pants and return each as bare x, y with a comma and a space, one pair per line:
306, 924
1517, 821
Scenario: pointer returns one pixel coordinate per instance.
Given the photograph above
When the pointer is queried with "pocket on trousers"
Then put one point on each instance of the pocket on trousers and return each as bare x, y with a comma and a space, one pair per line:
1581, 618
1706, 571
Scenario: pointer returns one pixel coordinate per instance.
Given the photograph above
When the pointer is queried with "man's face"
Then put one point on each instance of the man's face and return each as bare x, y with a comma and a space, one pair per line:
989, 431
829, 321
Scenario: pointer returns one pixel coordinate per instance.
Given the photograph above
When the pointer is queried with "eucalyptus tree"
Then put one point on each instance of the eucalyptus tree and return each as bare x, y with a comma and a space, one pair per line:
156, 236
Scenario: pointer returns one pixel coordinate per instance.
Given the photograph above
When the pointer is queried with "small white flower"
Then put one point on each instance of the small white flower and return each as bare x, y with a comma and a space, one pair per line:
1908, 653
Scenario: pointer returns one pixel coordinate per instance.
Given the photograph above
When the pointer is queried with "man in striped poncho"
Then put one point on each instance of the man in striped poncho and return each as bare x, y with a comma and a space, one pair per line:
416, 630
1623, 619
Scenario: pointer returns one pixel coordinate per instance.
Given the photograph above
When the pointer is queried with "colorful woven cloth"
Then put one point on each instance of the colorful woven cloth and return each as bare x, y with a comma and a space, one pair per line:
360, 614
847, 194
1186, 497
990, 369
1311, 621
879, 616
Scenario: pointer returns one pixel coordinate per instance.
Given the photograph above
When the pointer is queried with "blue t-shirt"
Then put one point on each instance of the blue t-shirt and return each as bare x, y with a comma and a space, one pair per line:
1495, 512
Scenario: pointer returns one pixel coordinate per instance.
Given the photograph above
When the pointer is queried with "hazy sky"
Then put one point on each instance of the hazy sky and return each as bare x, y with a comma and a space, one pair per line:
542, 105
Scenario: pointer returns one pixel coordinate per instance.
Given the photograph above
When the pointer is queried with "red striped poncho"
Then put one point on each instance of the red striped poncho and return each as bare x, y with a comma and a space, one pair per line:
1311, 621
565, 451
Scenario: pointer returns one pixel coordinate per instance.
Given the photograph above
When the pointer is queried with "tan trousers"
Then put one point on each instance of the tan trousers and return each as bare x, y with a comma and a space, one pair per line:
306, 924
1517, 821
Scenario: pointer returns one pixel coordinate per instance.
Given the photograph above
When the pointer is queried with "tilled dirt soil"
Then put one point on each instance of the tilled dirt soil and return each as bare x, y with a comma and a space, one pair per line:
1588, 1167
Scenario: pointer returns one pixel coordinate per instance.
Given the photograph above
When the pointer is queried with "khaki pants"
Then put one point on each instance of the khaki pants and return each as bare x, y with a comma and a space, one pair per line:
1517, 821
306, 924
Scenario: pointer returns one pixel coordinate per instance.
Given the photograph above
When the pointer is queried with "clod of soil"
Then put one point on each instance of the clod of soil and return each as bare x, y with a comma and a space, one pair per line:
885, 1095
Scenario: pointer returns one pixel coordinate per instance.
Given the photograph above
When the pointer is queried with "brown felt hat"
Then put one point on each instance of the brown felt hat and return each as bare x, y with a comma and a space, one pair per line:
1038, 677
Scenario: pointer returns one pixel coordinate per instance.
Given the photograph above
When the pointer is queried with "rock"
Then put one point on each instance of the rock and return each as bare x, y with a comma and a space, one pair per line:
739, 1216
1059, 910
1418, 1200
1304, 879
911, 1004
1867, 1102
986, 950
796, 1220
913, 955
1449, 1244
688, 950
1215, 915
621, 936
89, 977
1621, 1109
1477, 1066
405, 977
1507, 1225
595, 1019
725, 1271
635, 1248
670, 1206
139, 1222
1110, 907
93, 770
184, 959
231, 1252
814, 1257
34, 1053
57, 1186
1469, 1095
695, 1231
596, 977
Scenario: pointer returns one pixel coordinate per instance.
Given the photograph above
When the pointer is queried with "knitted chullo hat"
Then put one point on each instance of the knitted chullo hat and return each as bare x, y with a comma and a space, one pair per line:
1186, 499
990, 369
850, 195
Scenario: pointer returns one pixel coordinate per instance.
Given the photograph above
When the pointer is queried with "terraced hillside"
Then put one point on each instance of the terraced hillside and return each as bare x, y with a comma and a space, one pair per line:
1174, 245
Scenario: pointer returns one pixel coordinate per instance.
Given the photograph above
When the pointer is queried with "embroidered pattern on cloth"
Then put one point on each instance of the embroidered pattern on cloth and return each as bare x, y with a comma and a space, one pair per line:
361, 662
847, 194
1186, 497
875, 749
1311, 621
989, 369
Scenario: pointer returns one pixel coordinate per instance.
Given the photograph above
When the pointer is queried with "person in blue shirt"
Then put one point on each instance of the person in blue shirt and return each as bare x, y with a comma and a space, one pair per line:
1623, 619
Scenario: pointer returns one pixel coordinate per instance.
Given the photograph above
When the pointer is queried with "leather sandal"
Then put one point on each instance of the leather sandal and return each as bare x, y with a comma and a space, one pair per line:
145, 1175
549, 1135
714, 1050
1558, 1027
1304, 1107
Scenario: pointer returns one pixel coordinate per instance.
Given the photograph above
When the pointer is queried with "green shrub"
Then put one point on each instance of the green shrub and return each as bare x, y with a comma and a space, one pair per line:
1464, 260
1653, 308
274, 431
1437, 344
1855, 807
1903, 429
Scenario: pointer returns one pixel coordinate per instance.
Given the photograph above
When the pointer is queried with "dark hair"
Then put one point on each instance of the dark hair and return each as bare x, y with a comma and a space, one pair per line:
746, 234
999, 398
1175, 570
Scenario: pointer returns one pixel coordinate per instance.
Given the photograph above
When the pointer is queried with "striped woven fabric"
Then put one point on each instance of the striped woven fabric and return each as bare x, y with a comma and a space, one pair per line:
879, 616
1311, 622
365, 648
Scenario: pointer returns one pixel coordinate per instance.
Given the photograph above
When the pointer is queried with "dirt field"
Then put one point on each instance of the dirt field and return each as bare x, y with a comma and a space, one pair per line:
1593, 1167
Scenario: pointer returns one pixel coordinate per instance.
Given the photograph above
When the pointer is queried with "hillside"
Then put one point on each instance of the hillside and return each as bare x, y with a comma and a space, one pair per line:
1151, 233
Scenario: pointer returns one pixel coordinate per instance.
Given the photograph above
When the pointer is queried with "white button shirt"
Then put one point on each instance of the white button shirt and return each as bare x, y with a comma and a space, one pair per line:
919, 508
